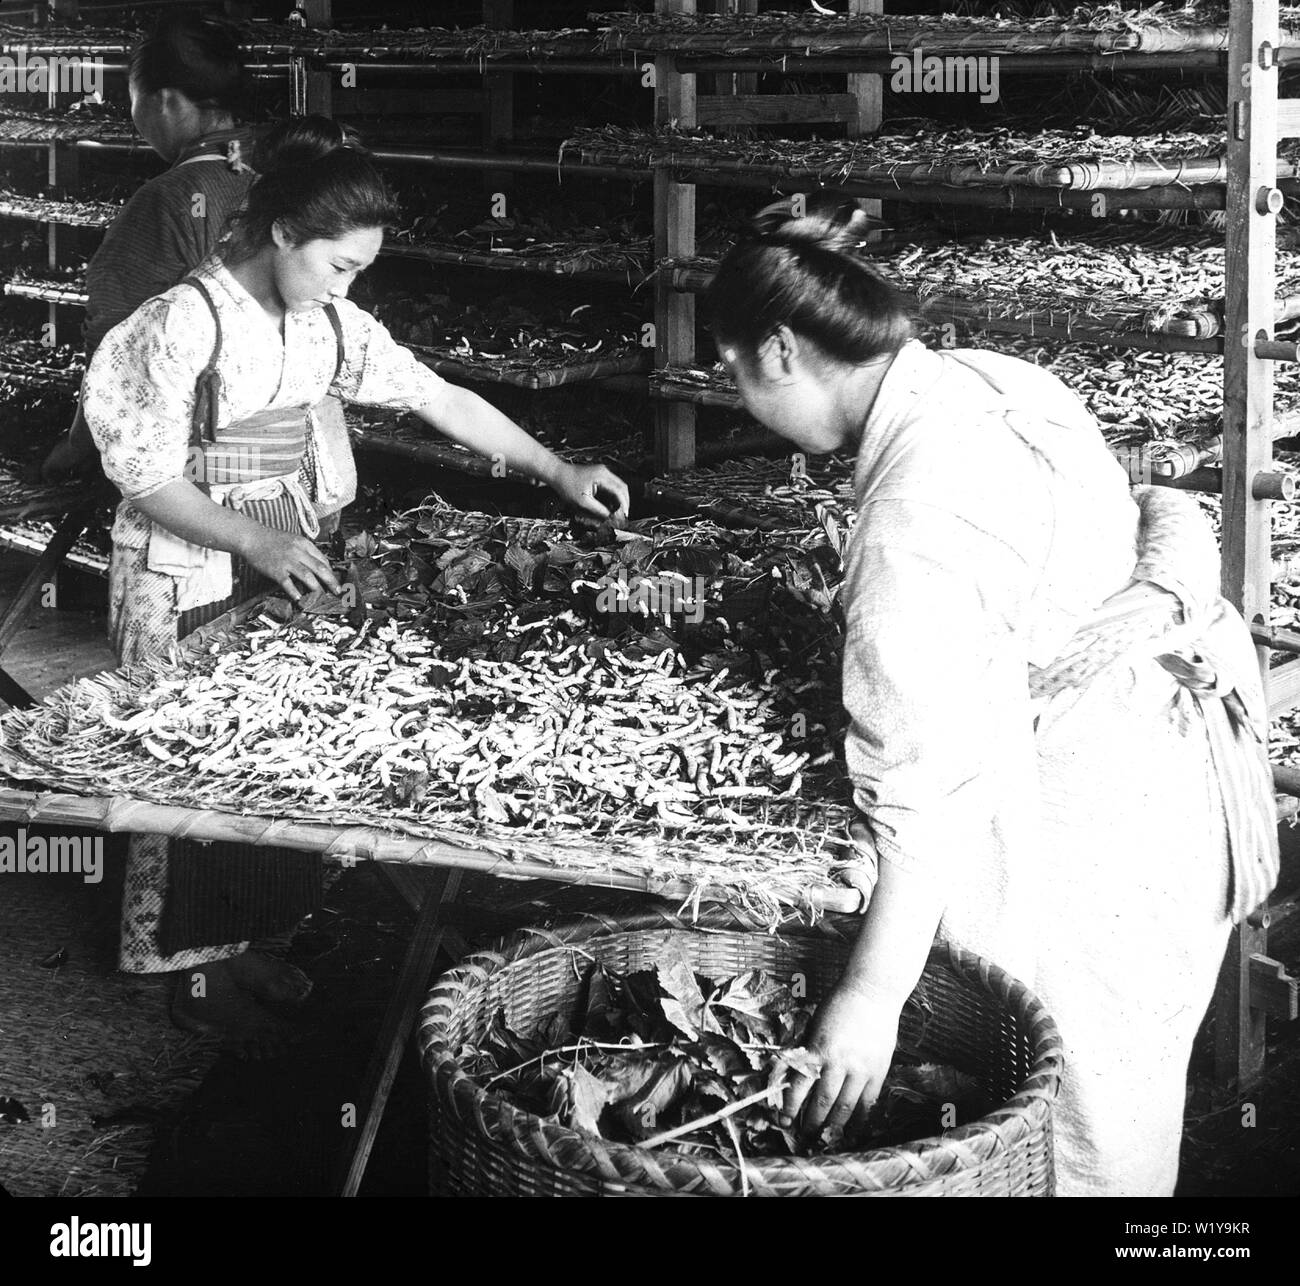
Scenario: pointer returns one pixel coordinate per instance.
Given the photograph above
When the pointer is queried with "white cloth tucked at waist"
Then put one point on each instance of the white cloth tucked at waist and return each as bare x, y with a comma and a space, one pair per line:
205, 575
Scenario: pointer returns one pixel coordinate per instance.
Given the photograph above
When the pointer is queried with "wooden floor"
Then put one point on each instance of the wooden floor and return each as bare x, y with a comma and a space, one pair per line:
64, 636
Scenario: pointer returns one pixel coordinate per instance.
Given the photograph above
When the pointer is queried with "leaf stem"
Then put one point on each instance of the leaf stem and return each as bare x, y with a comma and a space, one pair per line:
569, 1049
712, 1119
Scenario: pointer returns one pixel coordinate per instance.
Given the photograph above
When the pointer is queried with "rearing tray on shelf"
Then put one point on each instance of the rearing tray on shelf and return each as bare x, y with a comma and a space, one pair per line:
907, 154
1101, 29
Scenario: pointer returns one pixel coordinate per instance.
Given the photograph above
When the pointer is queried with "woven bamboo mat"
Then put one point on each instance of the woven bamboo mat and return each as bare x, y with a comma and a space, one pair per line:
782, 851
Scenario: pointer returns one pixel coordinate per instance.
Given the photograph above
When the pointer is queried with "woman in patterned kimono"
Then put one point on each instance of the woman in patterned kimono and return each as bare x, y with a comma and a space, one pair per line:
1057, 730
198, 403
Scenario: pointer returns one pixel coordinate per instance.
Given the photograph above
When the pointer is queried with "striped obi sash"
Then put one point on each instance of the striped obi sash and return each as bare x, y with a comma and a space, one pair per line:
256, 460
1205, 646
268, 444
252, 461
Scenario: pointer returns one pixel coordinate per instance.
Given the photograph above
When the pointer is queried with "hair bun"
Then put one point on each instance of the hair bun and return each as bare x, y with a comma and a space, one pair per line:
300, 140
836, 228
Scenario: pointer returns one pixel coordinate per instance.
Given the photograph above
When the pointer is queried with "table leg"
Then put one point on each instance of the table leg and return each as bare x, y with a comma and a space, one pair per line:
399, 1021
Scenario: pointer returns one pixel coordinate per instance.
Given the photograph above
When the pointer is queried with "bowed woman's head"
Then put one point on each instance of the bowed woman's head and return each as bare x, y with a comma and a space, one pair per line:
315, 217
186, 79
805, 324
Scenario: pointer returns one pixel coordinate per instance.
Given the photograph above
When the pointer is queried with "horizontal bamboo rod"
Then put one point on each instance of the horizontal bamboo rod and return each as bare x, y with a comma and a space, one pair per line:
541, 264
1264, 486
442, 67
514, 164
883, 63
1210, 197
1276, 641
337, 842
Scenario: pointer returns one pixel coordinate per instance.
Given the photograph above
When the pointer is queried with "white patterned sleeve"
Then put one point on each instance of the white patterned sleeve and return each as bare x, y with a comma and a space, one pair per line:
378, 371
139, 392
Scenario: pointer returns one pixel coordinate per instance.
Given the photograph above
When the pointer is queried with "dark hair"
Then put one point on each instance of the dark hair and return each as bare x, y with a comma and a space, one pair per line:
196, 55
313, 180
807, 273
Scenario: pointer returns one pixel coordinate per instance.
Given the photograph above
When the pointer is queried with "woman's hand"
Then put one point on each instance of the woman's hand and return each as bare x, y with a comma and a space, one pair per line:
290, 561
579, 483
855, 1034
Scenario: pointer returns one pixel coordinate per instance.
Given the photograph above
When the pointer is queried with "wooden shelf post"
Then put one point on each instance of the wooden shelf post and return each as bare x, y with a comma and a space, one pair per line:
674, 221
868, 91
1239, 1032
499, 110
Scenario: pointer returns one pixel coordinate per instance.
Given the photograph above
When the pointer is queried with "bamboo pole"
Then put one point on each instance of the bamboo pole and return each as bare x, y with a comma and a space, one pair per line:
1210, 197
344, 843
777, 63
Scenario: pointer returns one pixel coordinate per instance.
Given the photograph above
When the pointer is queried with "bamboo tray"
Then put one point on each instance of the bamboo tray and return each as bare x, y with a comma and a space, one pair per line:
1090, 29
369, 843
32, 537
20, 499
28, 127
1078, 160
641, 857
72, 294
416, 442
1114, 286
695, 385
21, 364
264, 39
534, 376
577, 259
77, 214
17, 39
470, 44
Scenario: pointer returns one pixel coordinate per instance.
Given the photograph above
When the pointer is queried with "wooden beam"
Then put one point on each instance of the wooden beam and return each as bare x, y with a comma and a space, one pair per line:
1252, 124
1249, 305
674, 237
774, 109
319, 13
499, 104
869, 91
396, 1029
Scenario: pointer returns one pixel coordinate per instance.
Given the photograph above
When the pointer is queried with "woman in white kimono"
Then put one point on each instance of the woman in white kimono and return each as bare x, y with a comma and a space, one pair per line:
199, 404
1057, 731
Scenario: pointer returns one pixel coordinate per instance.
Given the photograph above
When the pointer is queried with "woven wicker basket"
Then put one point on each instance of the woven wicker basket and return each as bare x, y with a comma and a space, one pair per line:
974, 1017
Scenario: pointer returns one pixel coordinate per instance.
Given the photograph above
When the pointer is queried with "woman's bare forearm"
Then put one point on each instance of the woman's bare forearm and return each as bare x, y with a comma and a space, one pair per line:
468, 419
186, 512
896, 935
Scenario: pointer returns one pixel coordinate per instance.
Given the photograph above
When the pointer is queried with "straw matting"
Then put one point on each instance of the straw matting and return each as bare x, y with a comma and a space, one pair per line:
95, 1045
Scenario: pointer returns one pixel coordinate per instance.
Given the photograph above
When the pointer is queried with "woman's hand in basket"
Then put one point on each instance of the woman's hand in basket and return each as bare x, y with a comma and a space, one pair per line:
854, 1033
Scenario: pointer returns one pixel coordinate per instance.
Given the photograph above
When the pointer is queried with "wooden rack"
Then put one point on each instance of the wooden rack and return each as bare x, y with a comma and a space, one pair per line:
1247, 185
